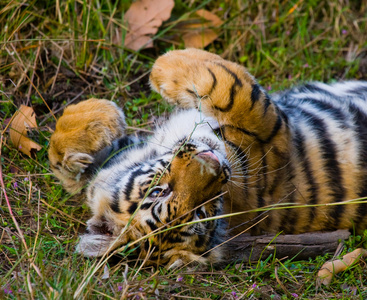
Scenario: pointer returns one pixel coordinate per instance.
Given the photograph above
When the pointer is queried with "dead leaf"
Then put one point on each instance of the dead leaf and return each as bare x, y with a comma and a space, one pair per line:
330, 268
24, 119
207, 15
199, 34
144, 17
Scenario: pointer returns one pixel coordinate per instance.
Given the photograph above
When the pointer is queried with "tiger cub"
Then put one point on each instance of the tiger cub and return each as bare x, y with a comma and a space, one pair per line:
231, 149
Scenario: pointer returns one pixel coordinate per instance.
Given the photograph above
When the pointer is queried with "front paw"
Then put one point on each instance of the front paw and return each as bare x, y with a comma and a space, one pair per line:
82, 131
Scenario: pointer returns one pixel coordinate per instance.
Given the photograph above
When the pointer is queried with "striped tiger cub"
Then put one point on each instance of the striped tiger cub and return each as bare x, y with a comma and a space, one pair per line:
231, 148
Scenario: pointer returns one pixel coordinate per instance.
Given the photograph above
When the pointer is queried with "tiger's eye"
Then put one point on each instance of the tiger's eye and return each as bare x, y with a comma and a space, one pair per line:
200, 214
159, 192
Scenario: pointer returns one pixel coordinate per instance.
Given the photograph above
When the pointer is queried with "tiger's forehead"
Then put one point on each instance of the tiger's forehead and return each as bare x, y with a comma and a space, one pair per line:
140, 164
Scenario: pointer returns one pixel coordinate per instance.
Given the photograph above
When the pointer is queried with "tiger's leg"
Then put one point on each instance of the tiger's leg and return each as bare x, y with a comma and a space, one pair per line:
222, 89
78, 145
248, 119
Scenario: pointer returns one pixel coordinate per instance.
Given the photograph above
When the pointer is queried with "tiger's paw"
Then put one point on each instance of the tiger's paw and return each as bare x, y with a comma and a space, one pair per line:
183, 77
82, 131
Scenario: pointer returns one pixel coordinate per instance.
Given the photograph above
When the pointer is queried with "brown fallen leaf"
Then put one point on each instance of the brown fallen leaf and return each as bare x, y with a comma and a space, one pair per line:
199, 34
24, 119
328, 269
144, 17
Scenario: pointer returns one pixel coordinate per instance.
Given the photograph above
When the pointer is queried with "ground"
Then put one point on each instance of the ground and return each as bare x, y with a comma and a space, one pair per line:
58, 52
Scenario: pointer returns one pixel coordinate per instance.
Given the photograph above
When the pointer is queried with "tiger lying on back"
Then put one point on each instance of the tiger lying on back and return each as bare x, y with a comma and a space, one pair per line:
232, 149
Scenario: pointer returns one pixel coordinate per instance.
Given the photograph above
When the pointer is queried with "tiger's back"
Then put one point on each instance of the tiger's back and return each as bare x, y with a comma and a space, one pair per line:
328, 156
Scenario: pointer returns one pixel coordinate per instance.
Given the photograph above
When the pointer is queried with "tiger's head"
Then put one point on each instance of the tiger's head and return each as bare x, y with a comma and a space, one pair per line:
162, 194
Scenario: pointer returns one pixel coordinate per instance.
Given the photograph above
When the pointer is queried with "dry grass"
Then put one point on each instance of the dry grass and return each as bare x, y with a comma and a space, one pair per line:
58, 52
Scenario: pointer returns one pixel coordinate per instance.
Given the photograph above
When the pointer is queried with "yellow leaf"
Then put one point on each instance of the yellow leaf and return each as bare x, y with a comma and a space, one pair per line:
24, 119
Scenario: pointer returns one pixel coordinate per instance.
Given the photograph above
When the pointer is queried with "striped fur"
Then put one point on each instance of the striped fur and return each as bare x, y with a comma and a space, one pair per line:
306, 146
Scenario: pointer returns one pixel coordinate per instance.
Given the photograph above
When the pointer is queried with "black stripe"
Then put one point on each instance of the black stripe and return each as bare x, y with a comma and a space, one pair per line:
146, 206
125, 142
260, 201
361, 128
146, 245
335, 112
115, 205
169, 213
154, 215
193, 93
312, 88
132, 207
290, 216
244, 131
131, 181
284, 117
331, 165
255, 94
236, 79
231, 100
267, 103
159, 209
361, 91
233, 90
276, 128
313, 187
214, 81
152, 225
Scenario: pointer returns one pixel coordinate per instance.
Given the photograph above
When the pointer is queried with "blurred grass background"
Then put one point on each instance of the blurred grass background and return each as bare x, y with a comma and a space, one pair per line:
59, 52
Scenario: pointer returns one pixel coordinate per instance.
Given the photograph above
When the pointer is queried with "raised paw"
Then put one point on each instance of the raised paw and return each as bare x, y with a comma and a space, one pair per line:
82, 131
182, 77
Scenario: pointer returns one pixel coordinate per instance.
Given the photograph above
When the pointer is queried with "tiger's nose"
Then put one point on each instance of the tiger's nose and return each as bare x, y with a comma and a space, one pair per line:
208, 155
210, 160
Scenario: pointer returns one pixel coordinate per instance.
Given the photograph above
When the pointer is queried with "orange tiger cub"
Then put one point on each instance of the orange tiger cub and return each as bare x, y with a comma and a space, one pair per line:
232, 148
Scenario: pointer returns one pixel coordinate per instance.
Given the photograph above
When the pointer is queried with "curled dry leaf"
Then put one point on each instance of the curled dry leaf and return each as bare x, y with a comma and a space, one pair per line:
24, 119
328, 269
144, 17
200, 34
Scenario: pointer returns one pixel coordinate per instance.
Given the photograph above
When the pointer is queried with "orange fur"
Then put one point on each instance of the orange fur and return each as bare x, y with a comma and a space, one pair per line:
83, 130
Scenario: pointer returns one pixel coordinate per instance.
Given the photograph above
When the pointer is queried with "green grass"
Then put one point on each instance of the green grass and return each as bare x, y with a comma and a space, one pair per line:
59, 52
